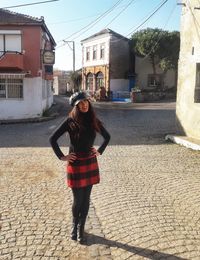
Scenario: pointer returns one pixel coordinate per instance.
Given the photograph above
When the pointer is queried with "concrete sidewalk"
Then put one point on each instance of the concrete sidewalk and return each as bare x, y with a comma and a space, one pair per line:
186, 141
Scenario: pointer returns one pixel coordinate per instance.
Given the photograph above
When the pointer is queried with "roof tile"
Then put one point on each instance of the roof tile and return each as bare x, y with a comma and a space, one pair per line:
8, 17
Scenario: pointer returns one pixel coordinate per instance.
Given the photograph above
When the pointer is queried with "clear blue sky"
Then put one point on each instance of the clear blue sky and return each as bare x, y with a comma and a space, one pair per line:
66, 17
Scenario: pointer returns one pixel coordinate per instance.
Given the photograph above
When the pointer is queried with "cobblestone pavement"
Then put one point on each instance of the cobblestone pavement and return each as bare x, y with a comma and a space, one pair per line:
146, 207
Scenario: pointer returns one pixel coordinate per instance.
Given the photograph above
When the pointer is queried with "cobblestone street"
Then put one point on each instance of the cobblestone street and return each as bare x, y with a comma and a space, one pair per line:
147, 205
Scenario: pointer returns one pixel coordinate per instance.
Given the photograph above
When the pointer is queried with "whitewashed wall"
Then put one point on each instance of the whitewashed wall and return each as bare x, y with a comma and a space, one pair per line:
97, 41
55, 85
188, 111
47, 100
143, 68
119, 85
31, 106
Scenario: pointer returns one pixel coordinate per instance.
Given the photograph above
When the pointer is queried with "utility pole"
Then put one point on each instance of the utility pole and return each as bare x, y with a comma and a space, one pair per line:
73, 49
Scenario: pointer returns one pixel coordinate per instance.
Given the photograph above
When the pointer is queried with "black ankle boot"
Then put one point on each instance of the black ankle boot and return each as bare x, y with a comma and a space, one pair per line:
74, 229
81, 226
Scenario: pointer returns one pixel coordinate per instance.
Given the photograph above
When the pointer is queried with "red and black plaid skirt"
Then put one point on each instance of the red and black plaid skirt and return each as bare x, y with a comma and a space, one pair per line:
84, 171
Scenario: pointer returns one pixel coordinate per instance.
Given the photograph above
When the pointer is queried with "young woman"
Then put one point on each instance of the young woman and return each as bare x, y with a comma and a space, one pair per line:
82, 166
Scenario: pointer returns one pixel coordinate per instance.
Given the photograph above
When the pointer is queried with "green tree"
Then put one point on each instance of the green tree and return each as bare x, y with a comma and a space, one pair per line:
76, 78
146, 44
159, 46
169, 51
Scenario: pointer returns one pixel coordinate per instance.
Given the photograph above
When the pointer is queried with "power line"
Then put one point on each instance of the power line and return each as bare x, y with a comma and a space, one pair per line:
147, 55
79, 19
152, 13
73, 20
130, 29
34, 3
60, 46
91, 24
120, 12
100, 18
157, 9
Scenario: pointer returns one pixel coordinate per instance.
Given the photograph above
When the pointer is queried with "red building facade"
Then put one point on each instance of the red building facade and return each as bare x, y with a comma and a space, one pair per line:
26, 65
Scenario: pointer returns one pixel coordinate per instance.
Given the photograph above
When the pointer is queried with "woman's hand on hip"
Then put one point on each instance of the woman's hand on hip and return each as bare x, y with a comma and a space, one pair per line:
69, 158
94, 151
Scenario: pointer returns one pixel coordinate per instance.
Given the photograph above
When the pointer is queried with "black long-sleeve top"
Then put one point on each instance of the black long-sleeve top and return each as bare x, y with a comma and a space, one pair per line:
81, 143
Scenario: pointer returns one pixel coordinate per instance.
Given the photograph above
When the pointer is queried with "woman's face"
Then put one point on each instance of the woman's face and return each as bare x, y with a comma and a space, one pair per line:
83, 106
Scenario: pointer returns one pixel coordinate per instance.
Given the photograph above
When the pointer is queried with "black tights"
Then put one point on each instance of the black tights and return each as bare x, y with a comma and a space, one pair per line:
81, 201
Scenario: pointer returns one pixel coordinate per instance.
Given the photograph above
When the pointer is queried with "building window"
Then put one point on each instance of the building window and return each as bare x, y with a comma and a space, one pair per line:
102, 51
10, 41
89, 82
197, 85
100, 80
154, 81
87, 53
2, 89
94, 52
11, 88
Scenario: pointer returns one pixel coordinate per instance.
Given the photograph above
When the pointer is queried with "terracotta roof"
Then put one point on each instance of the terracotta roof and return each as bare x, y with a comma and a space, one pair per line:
12, 18
8, 17
106, 31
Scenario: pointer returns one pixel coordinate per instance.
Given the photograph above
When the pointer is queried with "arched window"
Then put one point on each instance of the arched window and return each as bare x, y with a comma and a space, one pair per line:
100, 80
89, 81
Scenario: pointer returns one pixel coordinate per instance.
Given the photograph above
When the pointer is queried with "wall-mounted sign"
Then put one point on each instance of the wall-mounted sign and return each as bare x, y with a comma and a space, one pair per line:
49, 57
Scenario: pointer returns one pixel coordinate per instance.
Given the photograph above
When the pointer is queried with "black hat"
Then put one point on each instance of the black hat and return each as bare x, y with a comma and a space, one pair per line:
77, 97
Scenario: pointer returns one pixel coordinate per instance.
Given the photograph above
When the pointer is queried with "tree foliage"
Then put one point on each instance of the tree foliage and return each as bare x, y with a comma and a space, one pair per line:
169, 51
76, 78
161, 47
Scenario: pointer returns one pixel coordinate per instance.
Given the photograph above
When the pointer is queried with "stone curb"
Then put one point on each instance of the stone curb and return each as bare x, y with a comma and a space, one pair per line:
184, 141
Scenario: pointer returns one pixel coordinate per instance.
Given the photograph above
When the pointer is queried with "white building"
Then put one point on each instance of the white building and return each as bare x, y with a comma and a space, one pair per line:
106, 62
188, 91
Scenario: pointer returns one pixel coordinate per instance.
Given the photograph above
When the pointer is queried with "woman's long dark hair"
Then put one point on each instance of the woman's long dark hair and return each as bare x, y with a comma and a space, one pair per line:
81, 118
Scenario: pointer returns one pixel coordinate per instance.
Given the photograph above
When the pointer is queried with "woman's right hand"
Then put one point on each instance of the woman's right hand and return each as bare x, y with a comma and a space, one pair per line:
69, 158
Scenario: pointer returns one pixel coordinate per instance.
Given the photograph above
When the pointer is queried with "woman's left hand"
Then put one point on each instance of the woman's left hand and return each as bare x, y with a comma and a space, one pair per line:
94, 151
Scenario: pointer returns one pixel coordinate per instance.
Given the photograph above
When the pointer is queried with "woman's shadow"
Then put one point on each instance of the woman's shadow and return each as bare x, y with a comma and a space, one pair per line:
148, 253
